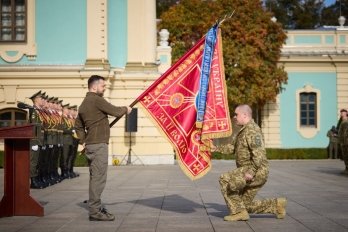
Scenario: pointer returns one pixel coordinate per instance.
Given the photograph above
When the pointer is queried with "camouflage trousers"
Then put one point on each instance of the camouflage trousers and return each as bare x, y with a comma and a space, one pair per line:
239, 194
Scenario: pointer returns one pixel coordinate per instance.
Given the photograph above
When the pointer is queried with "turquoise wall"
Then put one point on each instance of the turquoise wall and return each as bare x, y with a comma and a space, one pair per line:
61, 31
117, 33
326, 84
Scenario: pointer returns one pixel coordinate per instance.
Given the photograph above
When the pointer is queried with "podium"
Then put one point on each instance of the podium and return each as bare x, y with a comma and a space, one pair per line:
17, 200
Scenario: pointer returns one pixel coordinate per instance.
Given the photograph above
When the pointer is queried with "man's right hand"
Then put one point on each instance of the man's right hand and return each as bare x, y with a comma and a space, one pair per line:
129, 109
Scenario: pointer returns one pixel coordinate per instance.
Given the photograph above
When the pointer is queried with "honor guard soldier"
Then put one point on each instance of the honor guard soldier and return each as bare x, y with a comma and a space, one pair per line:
71, 161
43, 152
51, 140
57, 148
36, 119
67, 141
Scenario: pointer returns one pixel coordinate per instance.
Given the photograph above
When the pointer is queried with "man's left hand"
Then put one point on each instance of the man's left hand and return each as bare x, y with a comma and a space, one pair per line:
248, 177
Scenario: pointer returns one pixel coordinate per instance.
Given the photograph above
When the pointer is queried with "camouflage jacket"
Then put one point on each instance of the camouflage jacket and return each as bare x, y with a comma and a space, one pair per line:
250, 151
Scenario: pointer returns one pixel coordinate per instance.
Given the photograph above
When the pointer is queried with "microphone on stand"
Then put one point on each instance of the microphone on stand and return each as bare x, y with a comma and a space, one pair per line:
22, 105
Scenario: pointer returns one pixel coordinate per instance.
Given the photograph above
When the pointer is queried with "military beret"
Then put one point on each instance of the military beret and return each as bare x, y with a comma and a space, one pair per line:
66, 105
38, 94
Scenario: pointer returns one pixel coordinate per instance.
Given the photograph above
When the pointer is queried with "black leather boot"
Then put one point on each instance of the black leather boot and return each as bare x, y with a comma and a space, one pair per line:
35, 183
45, 181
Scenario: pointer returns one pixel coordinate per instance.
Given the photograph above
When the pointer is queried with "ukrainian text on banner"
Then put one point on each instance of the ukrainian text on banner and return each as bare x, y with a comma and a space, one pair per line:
172, 102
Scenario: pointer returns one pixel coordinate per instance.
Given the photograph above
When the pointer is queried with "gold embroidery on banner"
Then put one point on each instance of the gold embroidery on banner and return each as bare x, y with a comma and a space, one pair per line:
196, 167
147, 99
222, 124
176, 100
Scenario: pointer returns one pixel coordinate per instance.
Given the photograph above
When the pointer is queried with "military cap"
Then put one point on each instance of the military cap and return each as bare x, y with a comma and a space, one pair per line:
38, 94
66, 106
74, 107
60, 102
51, 99
44, 96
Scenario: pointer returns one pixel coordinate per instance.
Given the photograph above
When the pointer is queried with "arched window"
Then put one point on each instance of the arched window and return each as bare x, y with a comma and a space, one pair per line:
13, 117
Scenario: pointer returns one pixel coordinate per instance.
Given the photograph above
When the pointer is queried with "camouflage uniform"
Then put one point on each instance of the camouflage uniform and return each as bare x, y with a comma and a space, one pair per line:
251, 158
343, 140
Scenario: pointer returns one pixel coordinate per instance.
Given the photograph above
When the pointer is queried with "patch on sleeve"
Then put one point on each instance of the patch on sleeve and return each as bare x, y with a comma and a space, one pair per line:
258, 141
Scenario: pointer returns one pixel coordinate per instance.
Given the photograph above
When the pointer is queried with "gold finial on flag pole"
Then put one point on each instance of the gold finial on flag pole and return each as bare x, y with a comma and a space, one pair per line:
219, 22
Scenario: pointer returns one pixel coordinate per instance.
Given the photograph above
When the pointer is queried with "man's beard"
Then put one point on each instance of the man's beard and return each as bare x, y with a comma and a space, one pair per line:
101, 94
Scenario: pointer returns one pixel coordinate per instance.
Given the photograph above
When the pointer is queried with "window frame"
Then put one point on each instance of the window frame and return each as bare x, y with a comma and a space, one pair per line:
13, 25
307, 111
13, 121
307, 132
13, 52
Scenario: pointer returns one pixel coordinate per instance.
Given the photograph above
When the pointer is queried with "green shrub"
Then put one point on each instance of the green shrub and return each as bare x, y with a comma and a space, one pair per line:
278, 153
81, 161
272, 153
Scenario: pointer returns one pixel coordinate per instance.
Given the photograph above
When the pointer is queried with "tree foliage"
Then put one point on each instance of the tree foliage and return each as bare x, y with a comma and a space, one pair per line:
293, 14
251, 44
306, 14
164, 5
330, 14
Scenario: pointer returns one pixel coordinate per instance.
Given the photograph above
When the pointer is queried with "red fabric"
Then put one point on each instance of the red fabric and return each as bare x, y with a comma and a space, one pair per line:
170, 101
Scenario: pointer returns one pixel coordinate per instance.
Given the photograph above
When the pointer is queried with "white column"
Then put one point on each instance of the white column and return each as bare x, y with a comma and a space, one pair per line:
141, 32
97, 34
164, 51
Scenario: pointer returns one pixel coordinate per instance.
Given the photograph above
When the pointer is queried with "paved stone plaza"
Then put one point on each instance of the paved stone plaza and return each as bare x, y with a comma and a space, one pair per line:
161, 198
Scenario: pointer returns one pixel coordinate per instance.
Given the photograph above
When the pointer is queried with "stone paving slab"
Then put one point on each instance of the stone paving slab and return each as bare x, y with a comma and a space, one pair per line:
161, 198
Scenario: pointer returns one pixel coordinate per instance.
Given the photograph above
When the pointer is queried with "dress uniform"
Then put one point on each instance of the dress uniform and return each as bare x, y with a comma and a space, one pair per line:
67, 141
36, 143
58, 133
71, 160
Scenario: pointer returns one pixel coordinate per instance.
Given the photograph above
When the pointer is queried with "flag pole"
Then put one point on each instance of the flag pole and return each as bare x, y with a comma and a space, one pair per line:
118, 118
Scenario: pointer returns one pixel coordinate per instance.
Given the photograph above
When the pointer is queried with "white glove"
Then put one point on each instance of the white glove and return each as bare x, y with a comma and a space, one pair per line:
50, 146
58, 144
35, 147
43, 148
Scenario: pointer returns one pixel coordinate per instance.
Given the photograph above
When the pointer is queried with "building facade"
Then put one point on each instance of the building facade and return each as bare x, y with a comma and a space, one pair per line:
317, 65
45, 45
61, 47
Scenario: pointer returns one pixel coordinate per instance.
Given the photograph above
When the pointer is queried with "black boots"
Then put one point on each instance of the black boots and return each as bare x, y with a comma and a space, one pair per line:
36, 183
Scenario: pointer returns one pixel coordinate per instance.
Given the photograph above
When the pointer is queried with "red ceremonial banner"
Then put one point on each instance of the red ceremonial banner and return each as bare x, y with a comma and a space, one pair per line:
171, 101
